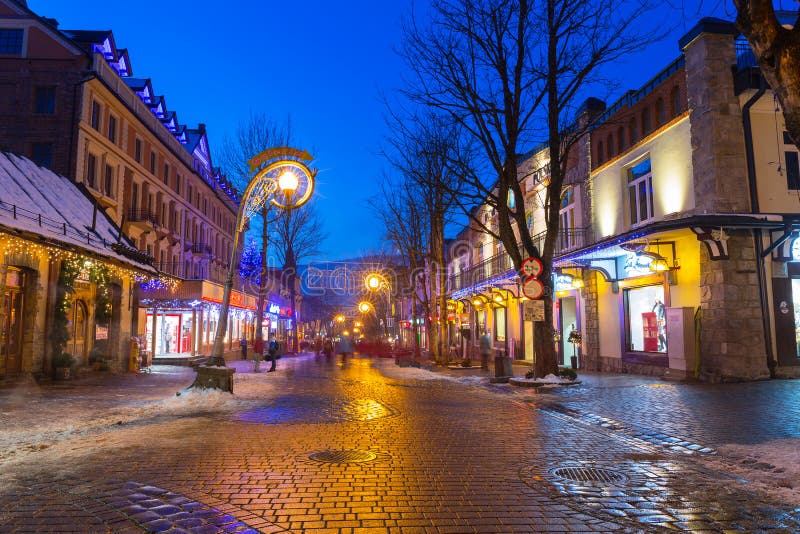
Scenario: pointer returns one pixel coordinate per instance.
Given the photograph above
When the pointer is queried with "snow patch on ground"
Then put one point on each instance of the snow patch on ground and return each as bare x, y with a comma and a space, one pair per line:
390, 370
772, 466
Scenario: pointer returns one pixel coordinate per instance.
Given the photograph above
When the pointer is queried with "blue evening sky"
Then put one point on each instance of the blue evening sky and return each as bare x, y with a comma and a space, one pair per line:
325, 63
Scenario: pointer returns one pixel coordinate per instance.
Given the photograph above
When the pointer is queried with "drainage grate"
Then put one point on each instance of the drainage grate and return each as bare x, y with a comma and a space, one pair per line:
343, 457
589, 474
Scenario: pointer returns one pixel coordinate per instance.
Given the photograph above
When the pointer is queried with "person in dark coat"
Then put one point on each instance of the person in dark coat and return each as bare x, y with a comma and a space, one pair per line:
243, 343
273, 350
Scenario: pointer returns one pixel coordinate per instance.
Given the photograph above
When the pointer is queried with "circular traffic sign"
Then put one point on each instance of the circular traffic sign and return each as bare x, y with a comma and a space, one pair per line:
532, 267
533, 288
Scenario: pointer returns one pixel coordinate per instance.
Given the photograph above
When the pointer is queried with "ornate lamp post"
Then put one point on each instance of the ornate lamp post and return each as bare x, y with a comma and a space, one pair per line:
282, 179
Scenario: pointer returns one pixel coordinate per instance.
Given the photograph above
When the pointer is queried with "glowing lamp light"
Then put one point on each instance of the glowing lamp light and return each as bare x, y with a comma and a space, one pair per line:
659, 265
498, 298
288, 182
340, 318
577, 283
364, 307
477, 303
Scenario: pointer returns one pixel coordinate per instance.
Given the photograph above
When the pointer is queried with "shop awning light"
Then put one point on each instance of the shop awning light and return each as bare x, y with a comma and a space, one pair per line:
659, 265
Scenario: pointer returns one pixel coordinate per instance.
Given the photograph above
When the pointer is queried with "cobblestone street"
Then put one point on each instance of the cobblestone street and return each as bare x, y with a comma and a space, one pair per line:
322, 447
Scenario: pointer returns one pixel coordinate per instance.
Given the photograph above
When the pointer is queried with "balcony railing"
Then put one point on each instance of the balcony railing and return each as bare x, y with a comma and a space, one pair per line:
137, 215
501, 264
201, 248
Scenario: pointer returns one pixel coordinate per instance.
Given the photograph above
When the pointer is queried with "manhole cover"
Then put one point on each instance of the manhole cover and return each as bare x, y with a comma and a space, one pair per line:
589, 474
343, 457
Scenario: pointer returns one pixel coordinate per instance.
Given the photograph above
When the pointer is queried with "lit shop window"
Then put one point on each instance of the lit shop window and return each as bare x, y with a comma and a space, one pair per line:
645, 319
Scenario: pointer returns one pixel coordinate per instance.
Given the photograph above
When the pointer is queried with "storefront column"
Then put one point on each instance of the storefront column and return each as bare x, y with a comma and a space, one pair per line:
153, 331
194, 332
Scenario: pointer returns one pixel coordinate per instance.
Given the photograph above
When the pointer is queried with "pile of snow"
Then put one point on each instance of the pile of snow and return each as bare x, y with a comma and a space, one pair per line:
772, 467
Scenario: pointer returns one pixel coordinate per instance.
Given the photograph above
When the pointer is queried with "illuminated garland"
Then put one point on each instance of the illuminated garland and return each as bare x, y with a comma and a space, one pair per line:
102, 270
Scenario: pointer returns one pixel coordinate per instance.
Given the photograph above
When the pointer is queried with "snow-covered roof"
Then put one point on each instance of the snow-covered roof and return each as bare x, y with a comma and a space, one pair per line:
36, 200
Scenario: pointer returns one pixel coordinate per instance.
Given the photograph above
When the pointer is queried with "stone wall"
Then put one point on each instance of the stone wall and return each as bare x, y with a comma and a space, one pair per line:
590, 349
732, 333
717, 138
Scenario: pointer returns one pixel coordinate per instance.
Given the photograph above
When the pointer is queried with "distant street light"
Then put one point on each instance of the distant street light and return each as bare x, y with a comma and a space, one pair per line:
375, 282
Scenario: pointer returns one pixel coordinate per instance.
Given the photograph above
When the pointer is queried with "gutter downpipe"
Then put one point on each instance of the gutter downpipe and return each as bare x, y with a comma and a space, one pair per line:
758, 240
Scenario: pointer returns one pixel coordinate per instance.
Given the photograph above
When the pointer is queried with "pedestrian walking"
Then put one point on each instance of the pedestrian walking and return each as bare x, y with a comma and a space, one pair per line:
273, 350
486, 350
327, 349
243, 343
344, 347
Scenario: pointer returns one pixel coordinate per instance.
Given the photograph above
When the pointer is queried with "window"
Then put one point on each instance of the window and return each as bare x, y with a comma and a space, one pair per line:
640, 192
11, 41
633, 135
645, 319
91, 169
134, 196
153, 163
137, 150
45, 100
600, 153
500, 324
108, 185
609, 147
567, 219
620, 140
166, 173
790, 156
96, 115
42, 154
646, 128
112, 128
675, 102
660, 116
178, 180
792, 171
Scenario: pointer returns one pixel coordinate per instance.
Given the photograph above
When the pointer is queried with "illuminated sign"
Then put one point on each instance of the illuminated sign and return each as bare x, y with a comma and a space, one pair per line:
274, 308
279, 152
637, 265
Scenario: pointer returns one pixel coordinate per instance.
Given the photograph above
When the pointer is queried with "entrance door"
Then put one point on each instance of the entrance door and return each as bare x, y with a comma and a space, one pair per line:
569, 321
786, 297
77, 330
11, 334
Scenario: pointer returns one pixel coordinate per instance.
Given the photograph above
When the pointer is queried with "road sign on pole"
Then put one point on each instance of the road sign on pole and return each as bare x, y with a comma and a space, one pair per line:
532, 288
532, 267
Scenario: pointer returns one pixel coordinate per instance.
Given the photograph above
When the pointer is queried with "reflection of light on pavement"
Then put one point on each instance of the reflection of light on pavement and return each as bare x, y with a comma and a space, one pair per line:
367, 409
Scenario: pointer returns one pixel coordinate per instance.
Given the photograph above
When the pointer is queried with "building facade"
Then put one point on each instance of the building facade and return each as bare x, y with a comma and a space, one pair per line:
86, 116
676, 253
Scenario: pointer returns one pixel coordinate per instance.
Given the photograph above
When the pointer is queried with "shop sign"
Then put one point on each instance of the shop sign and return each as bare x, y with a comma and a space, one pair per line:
636, 265
101, 332
563, 282
533, 310
274, 308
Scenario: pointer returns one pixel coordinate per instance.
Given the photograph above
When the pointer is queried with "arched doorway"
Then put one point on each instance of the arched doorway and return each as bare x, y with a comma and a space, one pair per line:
77, 328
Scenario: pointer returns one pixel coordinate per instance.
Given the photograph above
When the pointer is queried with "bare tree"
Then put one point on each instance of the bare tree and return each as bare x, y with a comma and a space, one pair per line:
777, 50
509, 74
421, 148
402, 211
299, 235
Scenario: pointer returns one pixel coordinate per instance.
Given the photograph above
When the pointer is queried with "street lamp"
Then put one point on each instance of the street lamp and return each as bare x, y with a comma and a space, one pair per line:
276, 170
375, 282
364, 306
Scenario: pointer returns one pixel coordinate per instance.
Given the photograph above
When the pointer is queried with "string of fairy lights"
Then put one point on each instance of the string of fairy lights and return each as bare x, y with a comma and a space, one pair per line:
12, 245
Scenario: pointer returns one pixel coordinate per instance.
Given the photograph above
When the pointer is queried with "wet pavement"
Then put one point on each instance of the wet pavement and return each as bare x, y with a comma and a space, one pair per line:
321, 447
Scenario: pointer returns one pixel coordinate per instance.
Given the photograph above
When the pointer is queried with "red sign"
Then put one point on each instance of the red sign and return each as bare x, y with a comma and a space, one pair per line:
236, 299
532, 267
532, 288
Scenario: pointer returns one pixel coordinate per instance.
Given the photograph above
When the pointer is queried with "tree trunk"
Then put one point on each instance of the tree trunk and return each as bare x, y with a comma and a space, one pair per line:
777, 50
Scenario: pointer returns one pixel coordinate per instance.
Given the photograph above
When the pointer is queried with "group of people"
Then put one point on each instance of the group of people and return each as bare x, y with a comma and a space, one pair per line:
343, 346
258, 348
